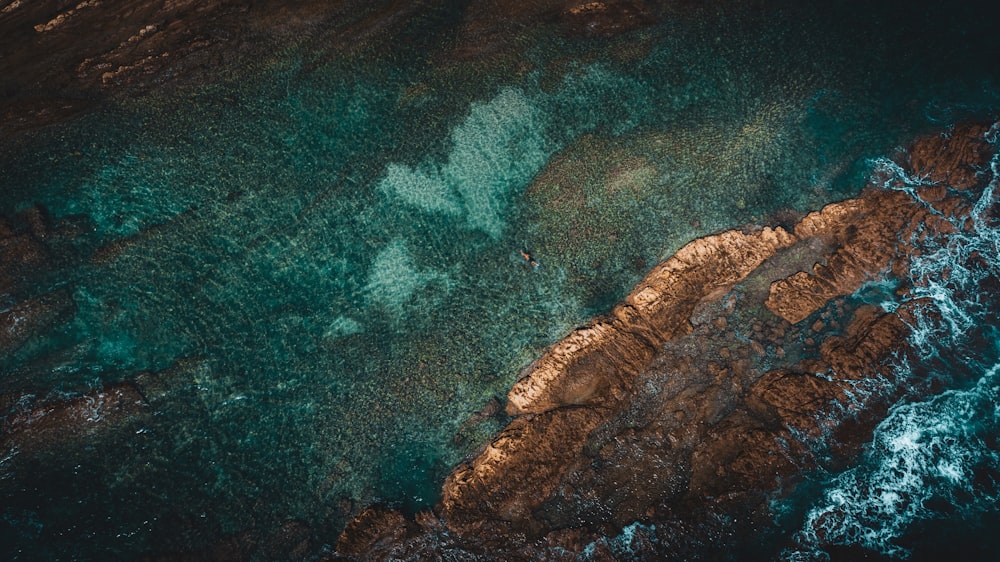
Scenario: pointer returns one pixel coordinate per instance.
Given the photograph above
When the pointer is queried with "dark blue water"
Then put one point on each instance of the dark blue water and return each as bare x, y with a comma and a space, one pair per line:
932, 471
322, 265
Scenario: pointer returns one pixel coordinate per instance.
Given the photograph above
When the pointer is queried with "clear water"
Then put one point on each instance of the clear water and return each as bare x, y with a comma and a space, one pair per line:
323, 260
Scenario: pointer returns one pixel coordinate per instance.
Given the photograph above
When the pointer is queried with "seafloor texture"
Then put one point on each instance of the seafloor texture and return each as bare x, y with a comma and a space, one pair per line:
673, 423
269, 272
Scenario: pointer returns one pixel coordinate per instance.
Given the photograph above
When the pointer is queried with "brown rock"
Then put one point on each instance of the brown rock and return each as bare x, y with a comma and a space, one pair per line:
538, 449
866, 232
31, 317
47, 426
740, 452
950, 158
641, 417
874, 232
597, 362
870, 333
373, 527
793, 398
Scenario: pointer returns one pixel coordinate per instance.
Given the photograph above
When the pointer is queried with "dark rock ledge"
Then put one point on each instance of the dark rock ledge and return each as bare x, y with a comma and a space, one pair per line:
729, 370
62, 57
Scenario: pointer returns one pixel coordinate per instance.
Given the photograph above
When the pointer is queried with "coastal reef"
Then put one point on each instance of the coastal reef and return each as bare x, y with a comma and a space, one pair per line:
749, 357
62, 57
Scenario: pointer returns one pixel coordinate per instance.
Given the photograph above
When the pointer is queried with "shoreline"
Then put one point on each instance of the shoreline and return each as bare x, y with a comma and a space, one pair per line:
642, 417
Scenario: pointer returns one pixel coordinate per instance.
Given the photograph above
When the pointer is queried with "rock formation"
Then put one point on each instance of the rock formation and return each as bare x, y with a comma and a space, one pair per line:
45, 426
30, 249
732, 367
60, 57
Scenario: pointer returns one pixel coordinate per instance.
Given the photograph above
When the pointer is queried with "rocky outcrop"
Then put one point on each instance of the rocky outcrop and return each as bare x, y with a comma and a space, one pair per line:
45, 426
598, 362
701, 393
61, 57
865, 232
374, 526
31, 247
32, 317
876, 231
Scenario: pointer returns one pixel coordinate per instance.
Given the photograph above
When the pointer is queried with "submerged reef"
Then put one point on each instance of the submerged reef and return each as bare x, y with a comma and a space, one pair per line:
268, 271
749, 357
61, 58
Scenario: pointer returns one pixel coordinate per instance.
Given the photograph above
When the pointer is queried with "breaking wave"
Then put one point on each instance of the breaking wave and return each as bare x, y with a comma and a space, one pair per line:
936, 458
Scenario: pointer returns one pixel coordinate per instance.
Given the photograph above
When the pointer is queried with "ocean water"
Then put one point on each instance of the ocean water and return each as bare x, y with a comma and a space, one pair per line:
318, 278
932, 471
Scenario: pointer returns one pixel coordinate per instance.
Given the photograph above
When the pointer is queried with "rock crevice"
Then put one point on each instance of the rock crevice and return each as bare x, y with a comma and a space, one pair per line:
701, 394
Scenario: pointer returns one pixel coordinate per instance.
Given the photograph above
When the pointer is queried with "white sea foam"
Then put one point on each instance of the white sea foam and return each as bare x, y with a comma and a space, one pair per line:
923, 452
928, 456
622, 544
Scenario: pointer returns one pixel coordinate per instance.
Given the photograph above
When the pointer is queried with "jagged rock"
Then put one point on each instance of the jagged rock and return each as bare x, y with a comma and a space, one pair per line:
653, 415
865, 231
373, 526
32, 317
597, 362
875, 230
871, 331
535, 450
952, 158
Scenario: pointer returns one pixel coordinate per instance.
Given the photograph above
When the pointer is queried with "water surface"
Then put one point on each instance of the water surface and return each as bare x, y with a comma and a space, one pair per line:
320, 262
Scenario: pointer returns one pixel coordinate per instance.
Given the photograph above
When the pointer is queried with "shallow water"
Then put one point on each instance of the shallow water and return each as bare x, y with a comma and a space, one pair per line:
323, 260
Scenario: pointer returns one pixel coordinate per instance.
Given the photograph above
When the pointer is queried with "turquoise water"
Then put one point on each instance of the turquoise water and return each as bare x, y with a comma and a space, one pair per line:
318, 276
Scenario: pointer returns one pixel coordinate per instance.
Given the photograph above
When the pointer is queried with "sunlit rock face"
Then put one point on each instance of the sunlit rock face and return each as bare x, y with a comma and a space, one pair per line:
741, 361
266, 264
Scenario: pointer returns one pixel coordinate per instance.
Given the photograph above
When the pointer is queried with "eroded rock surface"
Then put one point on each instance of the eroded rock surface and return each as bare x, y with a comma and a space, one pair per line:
42, 426
732, 367
608, 353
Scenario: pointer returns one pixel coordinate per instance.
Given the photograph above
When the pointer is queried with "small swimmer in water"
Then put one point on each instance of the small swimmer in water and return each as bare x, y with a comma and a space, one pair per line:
531, 261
